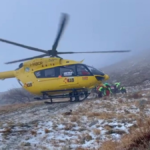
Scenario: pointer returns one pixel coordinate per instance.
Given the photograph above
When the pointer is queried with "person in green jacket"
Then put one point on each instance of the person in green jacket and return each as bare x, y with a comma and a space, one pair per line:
117, 87
117, 84
108, 89
102, 91
123, 89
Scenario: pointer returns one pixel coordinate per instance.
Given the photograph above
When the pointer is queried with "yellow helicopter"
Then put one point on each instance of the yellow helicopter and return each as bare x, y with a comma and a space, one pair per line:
55, 77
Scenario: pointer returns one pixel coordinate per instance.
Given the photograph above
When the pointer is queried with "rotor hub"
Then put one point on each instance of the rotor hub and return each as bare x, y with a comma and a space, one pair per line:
52, 53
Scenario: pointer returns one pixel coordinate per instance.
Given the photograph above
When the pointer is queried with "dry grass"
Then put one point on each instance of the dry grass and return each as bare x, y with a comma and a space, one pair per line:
107, 127
81, 148
16, 107
97, 131
131, 116
87, 137
34, 133
101, 115
135, 95
108, 145
107, 105
120, 100
47, 130
141, 104
82, 110
138, 139
68, 126
7, 130
74, 118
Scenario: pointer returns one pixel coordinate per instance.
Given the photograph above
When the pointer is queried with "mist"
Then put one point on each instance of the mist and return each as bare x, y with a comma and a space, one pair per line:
93, 26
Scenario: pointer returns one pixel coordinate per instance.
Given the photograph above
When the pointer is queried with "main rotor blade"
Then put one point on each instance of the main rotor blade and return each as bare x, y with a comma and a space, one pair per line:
24, 46
63, 23
119, 51
15, 61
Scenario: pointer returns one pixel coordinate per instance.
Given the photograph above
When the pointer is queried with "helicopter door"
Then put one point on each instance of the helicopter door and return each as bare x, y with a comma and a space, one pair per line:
84, 76
67, 76
47, 79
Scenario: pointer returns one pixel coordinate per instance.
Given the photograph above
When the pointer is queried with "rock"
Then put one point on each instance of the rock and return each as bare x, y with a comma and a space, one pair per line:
82, 141
34, 122
34, 132
68, 126
120, 100
25, 144
47, 130
93, 123
123, 121
115, 131
27, 138
111, 126
81, 129
24, 125
119, 126
126, 111
142, 102
5, 125
88, 137
107, 127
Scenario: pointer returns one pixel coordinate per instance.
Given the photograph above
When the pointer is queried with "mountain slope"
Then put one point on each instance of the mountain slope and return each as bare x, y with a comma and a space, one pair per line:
132, 71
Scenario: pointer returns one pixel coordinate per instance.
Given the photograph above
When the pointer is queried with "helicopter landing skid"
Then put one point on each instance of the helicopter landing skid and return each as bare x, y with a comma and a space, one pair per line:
62, 102
76, 95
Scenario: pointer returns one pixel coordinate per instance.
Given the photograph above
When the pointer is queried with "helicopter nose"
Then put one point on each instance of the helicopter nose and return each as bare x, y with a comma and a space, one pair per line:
106, 77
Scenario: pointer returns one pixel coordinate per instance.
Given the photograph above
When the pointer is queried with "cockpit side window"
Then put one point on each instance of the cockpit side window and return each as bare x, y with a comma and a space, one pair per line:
82, 71
46, 73
67, 71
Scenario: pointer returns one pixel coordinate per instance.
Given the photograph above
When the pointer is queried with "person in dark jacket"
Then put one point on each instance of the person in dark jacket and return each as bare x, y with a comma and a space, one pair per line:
123, 89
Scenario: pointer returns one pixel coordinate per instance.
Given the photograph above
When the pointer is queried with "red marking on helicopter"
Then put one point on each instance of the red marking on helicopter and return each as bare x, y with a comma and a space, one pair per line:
85, 78
65, 80
29, 84
70, 79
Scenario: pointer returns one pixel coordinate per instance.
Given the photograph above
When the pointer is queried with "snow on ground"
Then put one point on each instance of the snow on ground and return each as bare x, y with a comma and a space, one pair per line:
88, 125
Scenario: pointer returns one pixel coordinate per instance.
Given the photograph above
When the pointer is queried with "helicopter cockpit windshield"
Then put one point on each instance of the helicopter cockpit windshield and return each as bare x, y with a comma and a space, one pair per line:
95, 71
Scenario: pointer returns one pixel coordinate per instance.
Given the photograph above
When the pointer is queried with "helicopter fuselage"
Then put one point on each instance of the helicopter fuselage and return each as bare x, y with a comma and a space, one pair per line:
54, 74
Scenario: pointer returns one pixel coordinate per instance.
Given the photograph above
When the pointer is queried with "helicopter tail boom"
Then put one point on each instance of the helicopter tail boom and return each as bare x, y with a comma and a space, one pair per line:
7, 74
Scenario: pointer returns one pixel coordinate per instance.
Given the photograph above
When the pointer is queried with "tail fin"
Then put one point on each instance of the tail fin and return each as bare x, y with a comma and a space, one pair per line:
82, 60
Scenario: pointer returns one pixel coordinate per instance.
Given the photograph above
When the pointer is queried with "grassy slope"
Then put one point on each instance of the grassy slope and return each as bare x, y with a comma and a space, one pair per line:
90, 123
132, 71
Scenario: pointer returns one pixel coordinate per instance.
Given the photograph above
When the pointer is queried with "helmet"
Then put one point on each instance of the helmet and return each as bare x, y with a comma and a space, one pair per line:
107, 84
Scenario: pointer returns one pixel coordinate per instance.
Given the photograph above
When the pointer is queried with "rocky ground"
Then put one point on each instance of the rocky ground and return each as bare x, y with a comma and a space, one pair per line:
91, 123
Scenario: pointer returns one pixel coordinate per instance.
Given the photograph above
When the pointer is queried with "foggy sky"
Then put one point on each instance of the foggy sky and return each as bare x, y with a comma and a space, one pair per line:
93, 25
